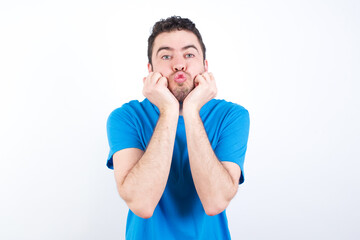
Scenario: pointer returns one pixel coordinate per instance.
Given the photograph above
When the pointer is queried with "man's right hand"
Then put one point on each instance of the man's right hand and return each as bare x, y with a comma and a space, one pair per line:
156, 90
141, 176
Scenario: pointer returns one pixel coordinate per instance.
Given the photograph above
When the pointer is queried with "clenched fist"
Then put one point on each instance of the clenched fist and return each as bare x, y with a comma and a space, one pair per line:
156, 90
205, 90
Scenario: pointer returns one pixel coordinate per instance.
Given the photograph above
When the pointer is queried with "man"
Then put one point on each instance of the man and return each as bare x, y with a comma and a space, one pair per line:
177, 155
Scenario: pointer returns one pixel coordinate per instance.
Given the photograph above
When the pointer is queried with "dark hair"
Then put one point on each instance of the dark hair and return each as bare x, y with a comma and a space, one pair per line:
171, 24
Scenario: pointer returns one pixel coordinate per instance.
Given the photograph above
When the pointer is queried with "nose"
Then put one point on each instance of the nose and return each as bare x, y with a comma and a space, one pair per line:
179, 66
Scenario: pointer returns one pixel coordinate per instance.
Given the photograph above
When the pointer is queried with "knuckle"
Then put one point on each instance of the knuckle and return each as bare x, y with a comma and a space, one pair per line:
157, 75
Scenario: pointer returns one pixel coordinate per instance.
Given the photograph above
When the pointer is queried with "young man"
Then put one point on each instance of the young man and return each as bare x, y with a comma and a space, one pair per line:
178, 155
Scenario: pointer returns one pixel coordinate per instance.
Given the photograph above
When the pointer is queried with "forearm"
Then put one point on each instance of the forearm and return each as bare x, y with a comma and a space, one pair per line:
144, 185
213, 182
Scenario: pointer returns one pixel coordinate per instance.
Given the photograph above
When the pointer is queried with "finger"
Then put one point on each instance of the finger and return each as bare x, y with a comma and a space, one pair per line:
155, 77
211, 76
163, 81
206, 76
199, 79
147, 78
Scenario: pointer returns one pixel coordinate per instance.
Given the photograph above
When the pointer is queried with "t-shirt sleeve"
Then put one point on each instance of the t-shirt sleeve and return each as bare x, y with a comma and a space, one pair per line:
122, 132
233, 140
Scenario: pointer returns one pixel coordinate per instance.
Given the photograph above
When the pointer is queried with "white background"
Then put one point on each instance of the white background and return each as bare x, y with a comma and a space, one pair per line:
65, 65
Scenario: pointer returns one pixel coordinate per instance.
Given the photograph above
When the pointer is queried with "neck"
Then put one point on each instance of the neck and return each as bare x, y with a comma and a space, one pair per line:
181, 109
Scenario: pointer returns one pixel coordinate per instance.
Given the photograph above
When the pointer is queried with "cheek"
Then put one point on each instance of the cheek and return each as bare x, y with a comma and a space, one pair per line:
158, 66
196, 70
163, 70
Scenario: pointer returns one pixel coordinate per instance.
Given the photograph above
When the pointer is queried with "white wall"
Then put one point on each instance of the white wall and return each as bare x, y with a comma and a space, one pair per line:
65, 65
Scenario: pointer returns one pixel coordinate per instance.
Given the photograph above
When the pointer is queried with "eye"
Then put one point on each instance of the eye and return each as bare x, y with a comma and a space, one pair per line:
166, 57
189, 55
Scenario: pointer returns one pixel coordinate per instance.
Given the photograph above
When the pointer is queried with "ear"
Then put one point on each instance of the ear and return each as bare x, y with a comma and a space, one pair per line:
206, 65
149, 67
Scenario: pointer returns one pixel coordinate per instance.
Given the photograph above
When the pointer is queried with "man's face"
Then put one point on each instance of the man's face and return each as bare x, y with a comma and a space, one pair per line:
177, 55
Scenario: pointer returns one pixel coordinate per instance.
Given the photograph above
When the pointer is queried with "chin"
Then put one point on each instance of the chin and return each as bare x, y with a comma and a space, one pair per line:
181, 93
181, 96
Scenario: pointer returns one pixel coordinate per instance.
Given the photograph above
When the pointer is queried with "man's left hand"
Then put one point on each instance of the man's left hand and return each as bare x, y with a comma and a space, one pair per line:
205, 90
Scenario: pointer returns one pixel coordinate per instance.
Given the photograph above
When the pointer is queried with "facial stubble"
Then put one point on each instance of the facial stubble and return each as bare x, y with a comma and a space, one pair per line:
181, 90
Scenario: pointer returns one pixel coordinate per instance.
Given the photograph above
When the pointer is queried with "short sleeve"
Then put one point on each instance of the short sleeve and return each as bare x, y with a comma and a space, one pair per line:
233, 138
122, 132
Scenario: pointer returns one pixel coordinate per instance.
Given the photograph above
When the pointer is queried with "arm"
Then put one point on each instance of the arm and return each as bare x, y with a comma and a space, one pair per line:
216, 182
141, 176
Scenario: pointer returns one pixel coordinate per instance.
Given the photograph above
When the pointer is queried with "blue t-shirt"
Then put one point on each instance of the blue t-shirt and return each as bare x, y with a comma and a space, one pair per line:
179, 213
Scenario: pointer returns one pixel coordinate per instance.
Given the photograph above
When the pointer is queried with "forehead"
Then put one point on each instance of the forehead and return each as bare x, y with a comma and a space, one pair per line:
176, 40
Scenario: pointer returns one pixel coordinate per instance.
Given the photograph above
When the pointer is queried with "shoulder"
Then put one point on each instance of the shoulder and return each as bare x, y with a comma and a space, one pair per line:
123, 112
134, 113
133, 108
223, 108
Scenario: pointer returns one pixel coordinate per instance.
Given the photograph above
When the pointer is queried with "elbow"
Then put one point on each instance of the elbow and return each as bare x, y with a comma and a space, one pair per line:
217, 205
215, 209
142, 209
143, 213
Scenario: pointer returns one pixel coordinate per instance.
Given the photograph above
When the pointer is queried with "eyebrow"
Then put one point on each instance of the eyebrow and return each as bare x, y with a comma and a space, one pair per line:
190, 46
171, 49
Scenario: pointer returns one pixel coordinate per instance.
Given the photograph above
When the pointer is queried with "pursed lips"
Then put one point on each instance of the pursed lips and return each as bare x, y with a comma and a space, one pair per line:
180, 77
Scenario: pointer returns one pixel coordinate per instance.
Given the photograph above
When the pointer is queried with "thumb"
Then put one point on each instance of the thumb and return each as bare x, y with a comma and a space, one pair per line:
163, 81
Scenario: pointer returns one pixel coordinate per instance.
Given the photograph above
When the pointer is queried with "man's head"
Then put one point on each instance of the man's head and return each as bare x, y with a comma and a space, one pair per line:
174, 23
177, 52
